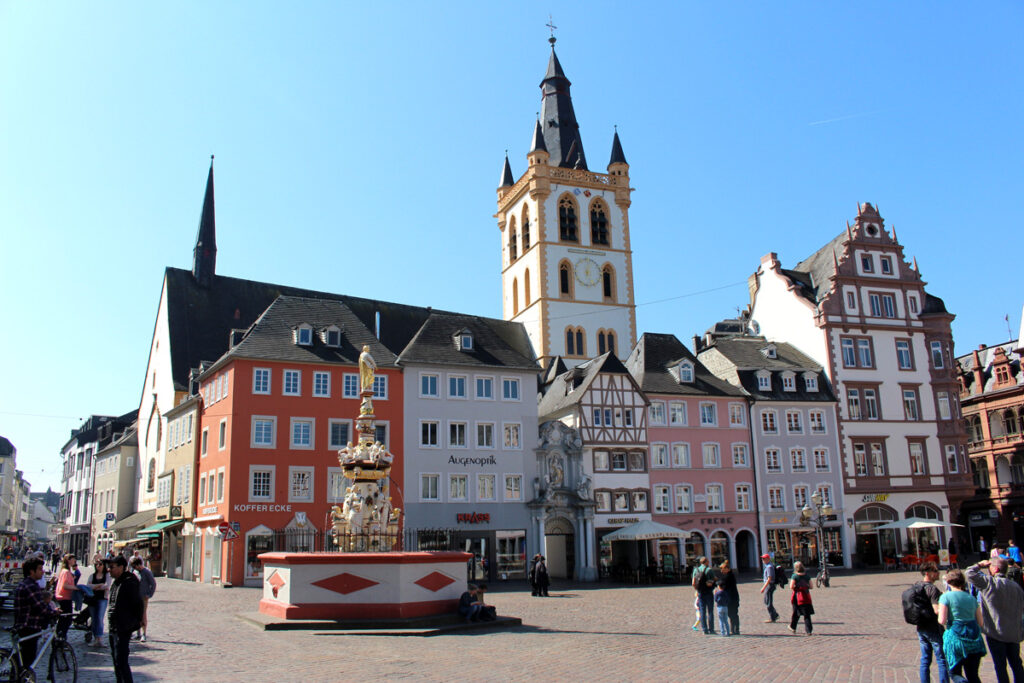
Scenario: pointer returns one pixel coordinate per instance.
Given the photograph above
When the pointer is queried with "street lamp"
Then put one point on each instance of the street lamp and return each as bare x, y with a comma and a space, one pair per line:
808, 518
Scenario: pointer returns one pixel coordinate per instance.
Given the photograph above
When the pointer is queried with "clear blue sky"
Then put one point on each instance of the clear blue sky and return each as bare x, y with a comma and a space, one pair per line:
749, 128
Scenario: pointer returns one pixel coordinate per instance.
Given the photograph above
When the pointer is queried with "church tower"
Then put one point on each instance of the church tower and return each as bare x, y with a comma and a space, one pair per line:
567, 267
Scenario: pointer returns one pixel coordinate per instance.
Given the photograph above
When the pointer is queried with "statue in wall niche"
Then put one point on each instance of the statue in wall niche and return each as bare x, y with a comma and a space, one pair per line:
536, 488
583, 488
557, 473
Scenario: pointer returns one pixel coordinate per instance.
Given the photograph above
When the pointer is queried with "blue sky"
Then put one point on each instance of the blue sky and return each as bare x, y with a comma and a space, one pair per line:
379, 128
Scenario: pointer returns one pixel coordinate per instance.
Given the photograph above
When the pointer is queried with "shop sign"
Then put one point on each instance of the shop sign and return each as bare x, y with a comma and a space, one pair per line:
473, 517
176, 511
623, 520
212, 510
467, 461
778, 520
258, 507
708, 521
875, 497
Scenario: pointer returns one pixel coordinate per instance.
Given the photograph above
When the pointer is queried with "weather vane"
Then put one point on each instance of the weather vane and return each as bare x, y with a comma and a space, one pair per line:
551, 27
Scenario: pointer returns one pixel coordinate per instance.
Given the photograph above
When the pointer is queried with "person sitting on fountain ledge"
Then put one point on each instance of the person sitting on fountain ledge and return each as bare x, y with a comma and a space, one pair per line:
471, 604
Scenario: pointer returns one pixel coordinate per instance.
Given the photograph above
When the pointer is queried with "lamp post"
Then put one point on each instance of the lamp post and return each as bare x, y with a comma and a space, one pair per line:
808, 518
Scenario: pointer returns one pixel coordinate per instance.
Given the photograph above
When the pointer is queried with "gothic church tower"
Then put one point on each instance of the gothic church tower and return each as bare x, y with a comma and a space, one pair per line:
567, 267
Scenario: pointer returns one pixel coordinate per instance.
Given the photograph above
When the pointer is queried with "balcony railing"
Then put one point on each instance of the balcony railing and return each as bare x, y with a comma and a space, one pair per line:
1005, 440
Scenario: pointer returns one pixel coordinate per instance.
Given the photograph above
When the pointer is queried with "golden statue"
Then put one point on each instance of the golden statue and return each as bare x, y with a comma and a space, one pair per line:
366, 368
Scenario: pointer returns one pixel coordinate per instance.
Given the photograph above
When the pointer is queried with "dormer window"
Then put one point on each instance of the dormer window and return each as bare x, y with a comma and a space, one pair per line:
686, 372
304, 335
764, 381
811, 382
331, 336
788, 381
464, 340
769, 351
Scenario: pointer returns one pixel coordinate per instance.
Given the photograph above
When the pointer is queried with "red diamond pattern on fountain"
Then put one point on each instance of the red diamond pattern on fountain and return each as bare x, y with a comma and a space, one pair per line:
435, 581
345, 583
276, 582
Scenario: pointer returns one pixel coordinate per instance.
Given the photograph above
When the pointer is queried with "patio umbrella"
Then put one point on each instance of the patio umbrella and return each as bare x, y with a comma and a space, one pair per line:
917, 523
643, 531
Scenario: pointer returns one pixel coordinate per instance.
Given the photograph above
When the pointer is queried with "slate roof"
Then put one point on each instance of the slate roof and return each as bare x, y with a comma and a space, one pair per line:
745, 354
496, 343
617, 156
814, 272
506, 175
651, 359
6, 447
568, 388
537, 144
561, 130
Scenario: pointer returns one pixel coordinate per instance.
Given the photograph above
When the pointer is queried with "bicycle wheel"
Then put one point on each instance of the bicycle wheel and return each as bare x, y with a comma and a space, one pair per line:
63, 663
6, 665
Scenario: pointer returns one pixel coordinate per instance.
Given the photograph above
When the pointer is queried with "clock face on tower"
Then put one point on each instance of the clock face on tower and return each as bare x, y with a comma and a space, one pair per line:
587, 272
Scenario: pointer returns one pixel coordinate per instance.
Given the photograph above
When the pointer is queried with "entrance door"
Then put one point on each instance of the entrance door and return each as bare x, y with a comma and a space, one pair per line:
479, 565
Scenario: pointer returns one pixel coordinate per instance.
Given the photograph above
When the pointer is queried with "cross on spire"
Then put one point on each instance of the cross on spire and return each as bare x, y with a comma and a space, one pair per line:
551, 27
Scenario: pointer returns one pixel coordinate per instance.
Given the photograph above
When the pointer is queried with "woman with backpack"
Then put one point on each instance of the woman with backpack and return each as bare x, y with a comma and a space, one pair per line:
962, 643
800, 584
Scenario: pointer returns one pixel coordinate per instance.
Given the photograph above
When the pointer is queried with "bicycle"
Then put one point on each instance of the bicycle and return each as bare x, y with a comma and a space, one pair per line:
62, 665
823, 576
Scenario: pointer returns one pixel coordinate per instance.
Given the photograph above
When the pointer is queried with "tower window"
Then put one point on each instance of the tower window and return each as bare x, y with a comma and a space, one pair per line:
608, 283
526, 288
574, 341
565, 279
513, 245
598, 225
526, 228
605, 342
515, 296
567, 220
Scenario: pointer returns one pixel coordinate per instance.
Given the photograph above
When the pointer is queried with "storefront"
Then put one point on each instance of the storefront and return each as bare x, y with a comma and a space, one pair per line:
873, 545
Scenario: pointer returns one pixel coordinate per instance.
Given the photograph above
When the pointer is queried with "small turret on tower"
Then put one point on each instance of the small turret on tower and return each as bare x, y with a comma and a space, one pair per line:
538, 150
617, 164
507, 179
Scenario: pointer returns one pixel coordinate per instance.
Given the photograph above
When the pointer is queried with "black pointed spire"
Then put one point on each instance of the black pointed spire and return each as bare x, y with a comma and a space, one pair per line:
617, 156
558, 120
204, 256
506, 174
538, 139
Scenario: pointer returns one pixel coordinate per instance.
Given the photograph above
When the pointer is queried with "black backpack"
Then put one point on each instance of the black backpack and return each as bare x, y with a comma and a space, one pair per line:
917, 607
781, 579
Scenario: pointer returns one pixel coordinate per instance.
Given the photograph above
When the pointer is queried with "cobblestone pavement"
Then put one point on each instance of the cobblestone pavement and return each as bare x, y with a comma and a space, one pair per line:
581, 632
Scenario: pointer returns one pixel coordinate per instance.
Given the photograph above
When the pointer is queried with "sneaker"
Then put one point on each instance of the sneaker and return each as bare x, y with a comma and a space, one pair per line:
142, 638
791, 630
769, 621
695, 628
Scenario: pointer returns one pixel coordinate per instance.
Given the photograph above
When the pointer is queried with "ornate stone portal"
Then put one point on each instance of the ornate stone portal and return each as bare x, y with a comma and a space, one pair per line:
563, 505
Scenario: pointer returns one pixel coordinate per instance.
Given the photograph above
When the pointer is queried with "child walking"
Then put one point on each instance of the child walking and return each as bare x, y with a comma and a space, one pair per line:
696, 610
722, 605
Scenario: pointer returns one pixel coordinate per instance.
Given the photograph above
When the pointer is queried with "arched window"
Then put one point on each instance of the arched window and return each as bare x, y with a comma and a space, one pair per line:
605, 342
598, 223
513, 250
995, 425
608, 282
1017, 469
610, 337
600, 342
565, 279
526, 228
568, 222
574, 342
973, 428
526, 288
515, 296
979, 471
581, 350
1009, 421
151, 475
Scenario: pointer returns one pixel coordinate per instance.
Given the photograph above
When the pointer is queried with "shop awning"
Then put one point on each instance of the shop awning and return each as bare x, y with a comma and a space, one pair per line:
155, 529
644, 530
134, 521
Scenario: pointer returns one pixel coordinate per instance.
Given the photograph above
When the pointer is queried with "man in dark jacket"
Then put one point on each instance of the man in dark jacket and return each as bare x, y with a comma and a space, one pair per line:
124, 614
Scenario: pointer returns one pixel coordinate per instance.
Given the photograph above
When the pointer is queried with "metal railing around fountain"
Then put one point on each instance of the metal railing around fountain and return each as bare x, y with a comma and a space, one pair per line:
317, 541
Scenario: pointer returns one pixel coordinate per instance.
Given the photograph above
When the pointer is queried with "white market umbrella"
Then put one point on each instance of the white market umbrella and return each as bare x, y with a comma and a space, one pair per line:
917, 523
643, 531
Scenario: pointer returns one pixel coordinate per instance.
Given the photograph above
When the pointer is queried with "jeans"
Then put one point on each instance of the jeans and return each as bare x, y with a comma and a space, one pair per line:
769, 602
796, 620
707, 612
931, 645
119, 644
472, 612
723, 619
734, 615
98, 610
1003, 654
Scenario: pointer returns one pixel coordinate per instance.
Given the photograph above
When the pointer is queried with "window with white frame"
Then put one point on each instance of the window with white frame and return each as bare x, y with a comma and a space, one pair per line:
456, 386
817, 420
262, 432
798, 459
764, 381
428, 434
222, 434
788, 381
951, 459
904, 359
618, 461
428, 385
800, 497
302, 433
775, 498
942, 399
638, 499
743, 498
336, 485
608, 417
292, 382
350, 385
380, 387
202, 490
261, 483
910, 410
300, 484
458, 487
261, 381
684, 498
485, 487
662, 503
711, 455
794, 422
220, 485
513, 487
686, 372
680, 455
510, 389
708, 415
601, 462
512, 436
627, 417
659, 455
768, 423
772, 461
811, 382
304, 336
677, 413
485, 388
603, 499
821, 460
457, 434
935, 349
322, 384
338, 433
163, 492
917, 459
740, 455
484, 435
429, 487
737, 415
204, 442
597, 417
825, 491
656, 412
714, 497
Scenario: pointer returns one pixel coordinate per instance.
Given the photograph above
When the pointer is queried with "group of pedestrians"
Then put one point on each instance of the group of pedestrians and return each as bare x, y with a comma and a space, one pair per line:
715, 592
981, 612
540, 580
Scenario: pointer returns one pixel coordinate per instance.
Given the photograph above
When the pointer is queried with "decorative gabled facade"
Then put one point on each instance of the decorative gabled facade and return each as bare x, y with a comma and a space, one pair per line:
992, 399
701, 469
567, 269
795, 434
860, 310
602, 402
